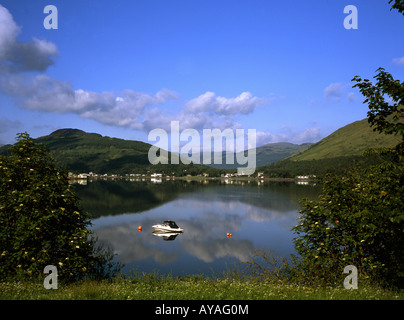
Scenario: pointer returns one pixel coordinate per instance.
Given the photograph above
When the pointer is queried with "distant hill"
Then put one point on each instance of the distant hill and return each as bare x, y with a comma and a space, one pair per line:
80, 151
335, 153
266, 154
83, 152
350, 140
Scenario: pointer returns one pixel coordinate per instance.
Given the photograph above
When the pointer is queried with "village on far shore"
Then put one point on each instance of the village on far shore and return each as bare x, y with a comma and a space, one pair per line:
83, 178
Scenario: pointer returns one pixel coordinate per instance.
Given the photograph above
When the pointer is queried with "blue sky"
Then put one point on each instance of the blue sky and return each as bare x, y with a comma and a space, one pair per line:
123, 68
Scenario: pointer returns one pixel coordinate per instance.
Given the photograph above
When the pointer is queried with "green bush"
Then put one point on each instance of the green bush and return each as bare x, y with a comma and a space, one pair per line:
359, 220
40, 221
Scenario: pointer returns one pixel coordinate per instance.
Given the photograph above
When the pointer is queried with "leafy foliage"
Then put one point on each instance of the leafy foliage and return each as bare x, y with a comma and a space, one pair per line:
398, 4
40, 221
359, 219
384, 117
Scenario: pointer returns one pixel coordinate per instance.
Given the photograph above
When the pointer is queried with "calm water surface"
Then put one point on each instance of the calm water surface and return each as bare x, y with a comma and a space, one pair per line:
257, 215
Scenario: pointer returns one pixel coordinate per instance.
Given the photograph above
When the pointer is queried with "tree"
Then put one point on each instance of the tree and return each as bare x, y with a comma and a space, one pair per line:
359, 219
40, 220
385, 117
398, 4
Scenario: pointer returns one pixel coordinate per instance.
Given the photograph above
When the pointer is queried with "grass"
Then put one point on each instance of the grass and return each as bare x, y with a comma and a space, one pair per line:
350, 140
157, 287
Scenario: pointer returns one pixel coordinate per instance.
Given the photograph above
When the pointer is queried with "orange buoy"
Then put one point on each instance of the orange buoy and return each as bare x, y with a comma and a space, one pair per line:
139, 228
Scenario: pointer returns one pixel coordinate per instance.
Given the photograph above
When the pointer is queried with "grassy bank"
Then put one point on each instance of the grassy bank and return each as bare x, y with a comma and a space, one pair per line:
152, 287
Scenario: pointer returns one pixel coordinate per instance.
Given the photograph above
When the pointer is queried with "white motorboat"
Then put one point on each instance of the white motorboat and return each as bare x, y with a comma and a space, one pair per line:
167, 226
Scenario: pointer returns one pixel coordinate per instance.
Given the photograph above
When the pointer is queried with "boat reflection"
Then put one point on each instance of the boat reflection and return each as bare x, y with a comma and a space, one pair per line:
166, 236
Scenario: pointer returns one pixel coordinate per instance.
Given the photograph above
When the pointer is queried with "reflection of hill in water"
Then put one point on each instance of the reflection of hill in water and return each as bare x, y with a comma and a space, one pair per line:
106, 198
278, 196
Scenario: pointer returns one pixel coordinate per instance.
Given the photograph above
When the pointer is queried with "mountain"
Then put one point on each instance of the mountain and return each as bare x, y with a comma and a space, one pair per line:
335, 153
265, 154
79, 152
350, 140
84, 152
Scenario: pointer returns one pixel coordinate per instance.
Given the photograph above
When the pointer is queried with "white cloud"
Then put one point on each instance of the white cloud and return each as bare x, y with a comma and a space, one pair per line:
337, 91
127, 108
34, 55
245, 103
16, 56
265, 137
8, 32
288, 134
334, 91
308, 135
399, 61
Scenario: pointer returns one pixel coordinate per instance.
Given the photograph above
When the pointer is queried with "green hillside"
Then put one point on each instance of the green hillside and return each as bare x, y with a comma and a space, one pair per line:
351, 140
334, 154
79, 152
265, 154
84, 152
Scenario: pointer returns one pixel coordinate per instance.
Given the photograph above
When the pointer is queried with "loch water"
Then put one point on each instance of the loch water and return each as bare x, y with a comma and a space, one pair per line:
256, 214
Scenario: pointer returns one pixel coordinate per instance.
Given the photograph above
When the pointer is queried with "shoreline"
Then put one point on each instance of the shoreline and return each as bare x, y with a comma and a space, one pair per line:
189, 178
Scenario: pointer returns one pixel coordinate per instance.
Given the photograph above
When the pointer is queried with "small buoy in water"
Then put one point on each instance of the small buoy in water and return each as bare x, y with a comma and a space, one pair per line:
139, 228
229, 235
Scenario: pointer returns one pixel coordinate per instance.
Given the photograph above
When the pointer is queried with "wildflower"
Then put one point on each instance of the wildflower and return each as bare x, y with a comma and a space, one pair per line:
60, 264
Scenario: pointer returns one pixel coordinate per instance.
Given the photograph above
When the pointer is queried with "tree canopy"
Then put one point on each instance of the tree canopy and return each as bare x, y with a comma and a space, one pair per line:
40, 220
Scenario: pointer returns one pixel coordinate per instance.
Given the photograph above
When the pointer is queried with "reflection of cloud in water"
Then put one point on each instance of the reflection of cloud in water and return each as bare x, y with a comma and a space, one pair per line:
205, 237
130, 247
209, 224
210, 250
285, 219
206, 221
